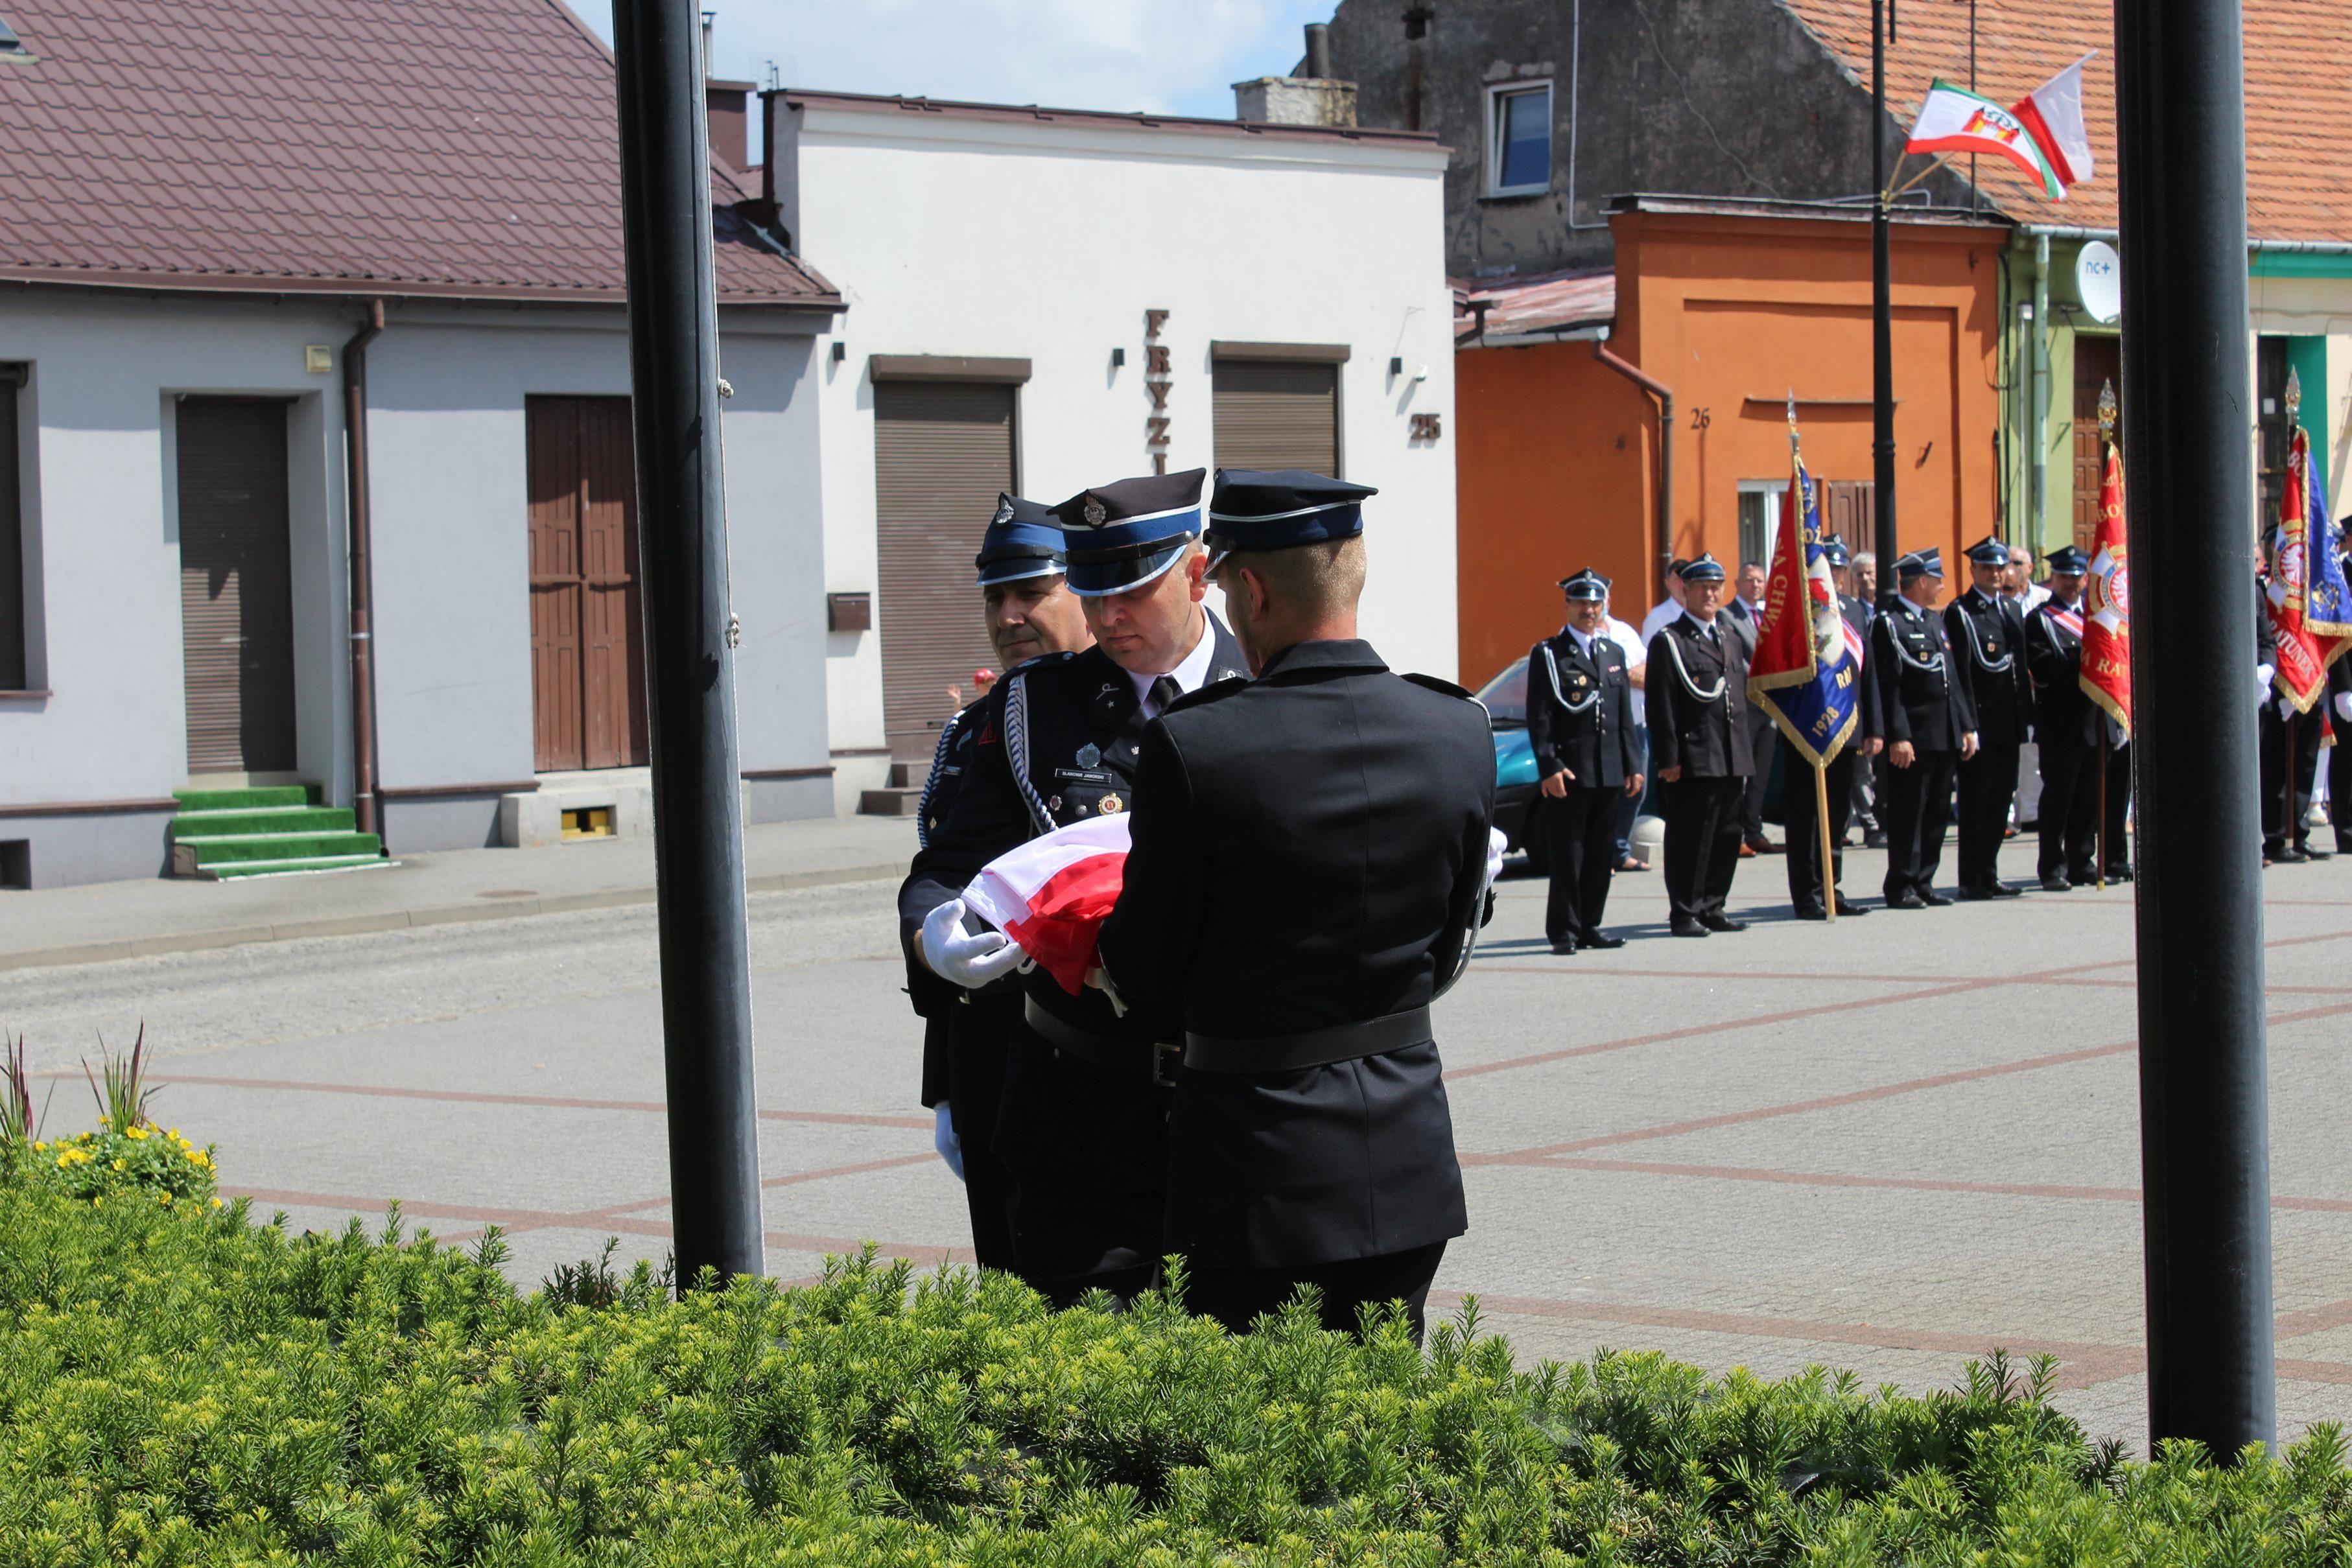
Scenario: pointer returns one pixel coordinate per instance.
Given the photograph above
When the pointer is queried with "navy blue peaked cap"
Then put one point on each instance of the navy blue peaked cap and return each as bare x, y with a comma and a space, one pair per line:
1587, 584
1255, 509
1703, 569
1022, 541
1120, 535
1833, 550
2068, 559
1989, 551
1927, 562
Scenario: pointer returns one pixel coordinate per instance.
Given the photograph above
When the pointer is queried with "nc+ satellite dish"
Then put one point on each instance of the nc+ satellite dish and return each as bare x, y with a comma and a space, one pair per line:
2099, 281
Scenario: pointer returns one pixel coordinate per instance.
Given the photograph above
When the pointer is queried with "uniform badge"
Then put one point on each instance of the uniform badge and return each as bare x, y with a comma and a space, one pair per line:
1111, 806
1089, 755
1055, 804
1004, 512
1096, 515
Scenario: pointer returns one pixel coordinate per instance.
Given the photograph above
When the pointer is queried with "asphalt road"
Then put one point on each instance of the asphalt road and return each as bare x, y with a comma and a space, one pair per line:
1888, 1145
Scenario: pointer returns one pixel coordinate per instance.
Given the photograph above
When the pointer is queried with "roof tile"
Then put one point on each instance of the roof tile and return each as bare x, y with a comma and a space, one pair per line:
447, 145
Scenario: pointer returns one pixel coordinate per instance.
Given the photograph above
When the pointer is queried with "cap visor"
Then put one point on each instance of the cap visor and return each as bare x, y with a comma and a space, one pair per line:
1099, 580
1015, 569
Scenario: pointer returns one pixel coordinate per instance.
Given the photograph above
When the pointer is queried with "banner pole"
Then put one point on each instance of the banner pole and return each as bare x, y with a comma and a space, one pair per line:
2287, 812
2106, 754
1829, 859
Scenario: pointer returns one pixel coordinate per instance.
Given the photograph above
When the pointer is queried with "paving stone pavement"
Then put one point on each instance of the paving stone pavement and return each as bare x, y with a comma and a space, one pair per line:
1888, 1145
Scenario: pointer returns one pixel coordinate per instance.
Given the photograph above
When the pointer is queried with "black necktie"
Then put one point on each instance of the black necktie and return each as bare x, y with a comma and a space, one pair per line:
1164, 690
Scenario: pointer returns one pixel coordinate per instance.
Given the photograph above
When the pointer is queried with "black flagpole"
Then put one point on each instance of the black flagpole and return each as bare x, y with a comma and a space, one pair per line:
2205, 1151
714, 1151
1882, 313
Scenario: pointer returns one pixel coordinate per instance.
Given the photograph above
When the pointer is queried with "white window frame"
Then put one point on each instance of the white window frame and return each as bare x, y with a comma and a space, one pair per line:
1775, 492
1495, 95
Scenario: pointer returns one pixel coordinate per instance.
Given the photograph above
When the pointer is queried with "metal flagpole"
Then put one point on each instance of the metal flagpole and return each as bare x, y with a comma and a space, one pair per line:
2205, 1151
714, 1152
1828, 859
1881, 310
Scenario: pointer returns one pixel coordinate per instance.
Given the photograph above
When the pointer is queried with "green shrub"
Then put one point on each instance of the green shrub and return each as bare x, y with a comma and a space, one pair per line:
196, 1388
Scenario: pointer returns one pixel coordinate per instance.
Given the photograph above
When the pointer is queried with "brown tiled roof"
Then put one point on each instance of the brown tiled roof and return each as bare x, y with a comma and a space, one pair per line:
452, 147
2298, 96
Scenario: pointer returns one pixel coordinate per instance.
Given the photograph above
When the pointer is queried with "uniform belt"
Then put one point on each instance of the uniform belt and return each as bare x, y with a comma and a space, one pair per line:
1152, 1059
1315, 1047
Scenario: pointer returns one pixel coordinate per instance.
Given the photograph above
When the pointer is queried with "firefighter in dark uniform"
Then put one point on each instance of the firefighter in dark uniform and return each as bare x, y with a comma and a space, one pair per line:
1924, 714
2285, 735
1312, 855
1581, 726
1806, 894
1698, 692
1988, 639
1029, 611
1082, 1119
2065, 728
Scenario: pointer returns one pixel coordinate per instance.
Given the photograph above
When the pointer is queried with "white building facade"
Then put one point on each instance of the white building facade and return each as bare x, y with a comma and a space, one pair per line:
1041, 300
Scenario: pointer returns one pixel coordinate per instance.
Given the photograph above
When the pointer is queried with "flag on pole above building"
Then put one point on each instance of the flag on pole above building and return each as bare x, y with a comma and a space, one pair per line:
2052, 114
2107, 603
1955, 120
1807, 668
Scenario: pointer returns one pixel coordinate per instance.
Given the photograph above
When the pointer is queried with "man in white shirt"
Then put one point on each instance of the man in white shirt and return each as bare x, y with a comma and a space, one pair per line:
1668, 609
1636, 649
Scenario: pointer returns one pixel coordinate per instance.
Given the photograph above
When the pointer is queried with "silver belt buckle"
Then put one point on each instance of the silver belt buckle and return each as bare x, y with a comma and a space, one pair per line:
1167, 1055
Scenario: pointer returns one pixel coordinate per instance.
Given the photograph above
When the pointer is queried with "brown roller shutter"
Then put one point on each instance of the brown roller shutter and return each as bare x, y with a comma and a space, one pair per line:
1850, 511
943, 452
12, 544
237, 598
587, 640
1277, 413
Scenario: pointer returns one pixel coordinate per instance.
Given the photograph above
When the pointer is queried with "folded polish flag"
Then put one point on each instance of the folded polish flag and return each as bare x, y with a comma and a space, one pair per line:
1052, 893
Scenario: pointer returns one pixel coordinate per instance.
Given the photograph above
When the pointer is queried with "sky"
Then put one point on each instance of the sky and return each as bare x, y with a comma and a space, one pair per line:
1167, 56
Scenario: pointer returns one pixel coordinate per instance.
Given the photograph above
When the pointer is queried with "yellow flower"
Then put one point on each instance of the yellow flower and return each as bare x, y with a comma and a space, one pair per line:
166, 1197
120, 1165
135, 1132
216, 1203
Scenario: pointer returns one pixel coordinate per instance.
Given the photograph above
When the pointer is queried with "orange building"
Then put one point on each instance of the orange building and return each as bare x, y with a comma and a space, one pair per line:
1727, 308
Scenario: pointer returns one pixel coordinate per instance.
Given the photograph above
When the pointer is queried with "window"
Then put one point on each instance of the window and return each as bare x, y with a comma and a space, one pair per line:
12, 538
1759, 519
1518, 140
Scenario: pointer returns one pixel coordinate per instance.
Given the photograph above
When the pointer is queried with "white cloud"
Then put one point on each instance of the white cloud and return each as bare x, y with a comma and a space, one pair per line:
1168, 56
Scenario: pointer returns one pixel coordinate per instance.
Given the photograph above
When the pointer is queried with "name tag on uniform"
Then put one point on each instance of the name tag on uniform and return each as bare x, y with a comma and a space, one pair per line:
1082, 776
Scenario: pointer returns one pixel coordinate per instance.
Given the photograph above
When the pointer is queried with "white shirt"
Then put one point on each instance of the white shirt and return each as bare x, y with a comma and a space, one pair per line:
2034, 594
1583, 641
1659, 619
1630, 642
1706, 628
1190, 675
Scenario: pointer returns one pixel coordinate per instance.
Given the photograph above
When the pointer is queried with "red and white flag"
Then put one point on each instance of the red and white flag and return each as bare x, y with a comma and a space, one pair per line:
2052, 114
1052, 893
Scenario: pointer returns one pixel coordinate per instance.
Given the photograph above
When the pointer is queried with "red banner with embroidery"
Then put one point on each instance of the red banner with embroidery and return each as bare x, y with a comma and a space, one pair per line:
2302, 668
2106, 604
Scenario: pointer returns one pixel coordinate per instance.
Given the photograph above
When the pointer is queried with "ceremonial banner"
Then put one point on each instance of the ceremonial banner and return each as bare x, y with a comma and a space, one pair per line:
2106, 604
1052, 893
2329, 612
1955, 120
2302, 668
1807, 671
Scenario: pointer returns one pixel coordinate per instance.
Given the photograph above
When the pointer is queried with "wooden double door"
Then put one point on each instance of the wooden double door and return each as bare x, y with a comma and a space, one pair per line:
587, 626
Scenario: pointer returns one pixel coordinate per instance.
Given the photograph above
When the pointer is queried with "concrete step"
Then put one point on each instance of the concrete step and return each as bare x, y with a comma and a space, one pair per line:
294, 865
262, 819
259, 795
898, 800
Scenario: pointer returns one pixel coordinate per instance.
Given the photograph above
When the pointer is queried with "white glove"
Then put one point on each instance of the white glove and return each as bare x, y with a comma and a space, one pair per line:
2344, 706
1495, 845
943, 1139
2262, 673
967, 959
2286, 708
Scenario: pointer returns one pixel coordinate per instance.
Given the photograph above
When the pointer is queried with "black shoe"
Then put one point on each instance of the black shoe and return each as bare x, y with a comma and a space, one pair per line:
1811, 911
2087, 877
1563, 950
1595, 939
2312, 852
2119, 873
1763, 846
1684, 927
2002, 889
1905, 900
1848, 910
2053, 882
1874, 839
1722, 923
2343, 845
1934, 900
1977, 895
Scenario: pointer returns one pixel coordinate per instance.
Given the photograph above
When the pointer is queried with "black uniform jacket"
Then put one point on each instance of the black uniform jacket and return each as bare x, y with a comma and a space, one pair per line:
1697, 694
935, 1000
1859, 615
1309, 853
1581, 712
2054, 653
1988, 642
1075, 722
1919, 699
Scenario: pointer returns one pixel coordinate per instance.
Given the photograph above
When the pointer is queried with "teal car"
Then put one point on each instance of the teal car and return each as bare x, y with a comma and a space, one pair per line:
1505, 697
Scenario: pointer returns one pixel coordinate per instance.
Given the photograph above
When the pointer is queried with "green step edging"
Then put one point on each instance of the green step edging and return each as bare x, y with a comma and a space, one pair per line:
247, 798
226, 849
228, 871
262, 819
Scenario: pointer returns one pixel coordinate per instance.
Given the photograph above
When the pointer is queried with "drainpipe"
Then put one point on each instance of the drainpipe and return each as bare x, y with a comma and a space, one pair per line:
367, 799
1659, 390
2037, 433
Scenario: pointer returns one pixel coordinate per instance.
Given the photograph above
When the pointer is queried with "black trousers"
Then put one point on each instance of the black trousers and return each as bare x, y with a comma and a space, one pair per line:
1763, 739
980, 1034
2119, 790
1987, 783
1087, 1150
1918, 813
1581, 832
2339, 785
2070, 803
2278, 816
1238, 1297
1804, 824
1702, 843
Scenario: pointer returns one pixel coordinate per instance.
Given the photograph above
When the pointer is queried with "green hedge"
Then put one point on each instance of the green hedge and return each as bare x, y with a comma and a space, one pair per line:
192, 1387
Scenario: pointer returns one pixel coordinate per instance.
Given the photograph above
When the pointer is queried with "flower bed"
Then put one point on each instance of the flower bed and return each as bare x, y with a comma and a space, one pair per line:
182, 1386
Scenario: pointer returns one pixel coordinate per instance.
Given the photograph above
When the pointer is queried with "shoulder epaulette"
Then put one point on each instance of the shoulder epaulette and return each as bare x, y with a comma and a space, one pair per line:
1435, 685
1043, 660
1208, 694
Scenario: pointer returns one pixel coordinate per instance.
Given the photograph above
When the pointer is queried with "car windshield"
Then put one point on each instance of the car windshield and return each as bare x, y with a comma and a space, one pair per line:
1506, 695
